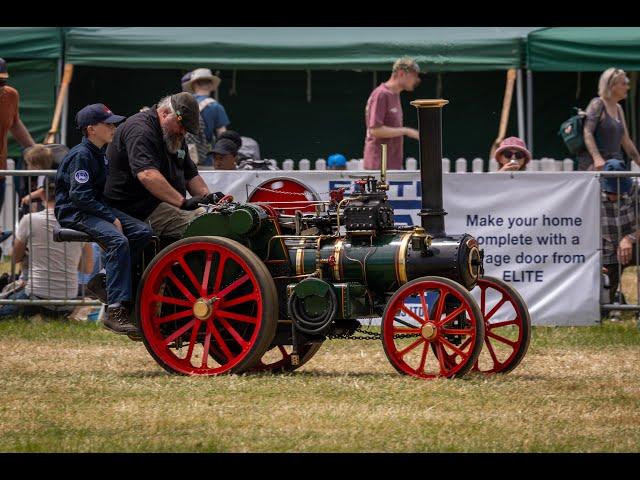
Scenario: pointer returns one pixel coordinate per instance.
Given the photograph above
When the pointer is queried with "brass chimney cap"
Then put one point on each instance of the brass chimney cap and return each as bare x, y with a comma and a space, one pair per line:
434, 103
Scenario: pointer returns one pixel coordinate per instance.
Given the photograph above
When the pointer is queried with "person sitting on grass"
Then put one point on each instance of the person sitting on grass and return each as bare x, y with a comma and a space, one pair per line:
53, 267
80, 205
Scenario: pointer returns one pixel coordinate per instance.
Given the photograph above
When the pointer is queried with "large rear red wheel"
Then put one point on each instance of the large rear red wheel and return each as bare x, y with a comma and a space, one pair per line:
207, 306
507, 326
432, 327
278, 359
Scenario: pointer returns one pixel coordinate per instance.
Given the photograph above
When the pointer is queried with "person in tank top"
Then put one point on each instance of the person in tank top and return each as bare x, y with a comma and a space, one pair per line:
605, 127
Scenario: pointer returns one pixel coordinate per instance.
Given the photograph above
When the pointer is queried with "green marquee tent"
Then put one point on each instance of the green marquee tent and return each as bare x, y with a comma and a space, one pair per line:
564, 65
31, 42
583, 49
298, 48
319, 76
33, 55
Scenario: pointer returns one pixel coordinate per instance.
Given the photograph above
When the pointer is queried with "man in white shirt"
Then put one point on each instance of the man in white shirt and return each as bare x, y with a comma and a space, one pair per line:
53, 267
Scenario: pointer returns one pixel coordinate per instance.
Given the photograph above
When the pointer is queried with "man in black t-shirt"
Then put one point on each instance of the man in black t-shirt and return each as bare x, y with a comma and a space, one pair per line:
150, 170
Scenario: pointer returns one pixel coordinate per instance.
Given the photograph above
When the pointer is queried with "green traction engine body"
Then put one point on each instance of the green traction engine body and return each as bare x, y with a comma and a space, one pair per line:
335, 266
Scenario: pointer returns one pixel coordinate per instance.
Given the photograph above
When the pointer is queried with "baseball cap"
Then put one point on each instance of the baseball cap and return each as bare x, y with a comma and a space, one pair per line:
233, 136
610, 184
96, 113
224, 146
186, 107
4, 71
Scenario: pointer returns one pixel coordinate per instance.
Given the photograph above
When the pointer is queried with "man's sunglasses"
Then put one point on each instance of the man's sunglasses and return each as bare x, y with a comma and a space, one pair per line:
517, 154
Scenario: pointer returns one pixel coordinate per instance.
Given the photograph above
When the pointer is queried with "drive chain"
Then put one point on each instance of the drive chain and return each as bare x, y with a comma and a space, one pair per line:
368, 335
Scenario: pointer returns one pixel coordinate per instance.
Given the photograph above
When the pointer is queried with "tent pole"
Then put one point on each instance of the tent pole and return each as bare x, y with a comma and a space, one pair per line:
506, 109
530, 111
65, 114
520, 105
62, 93
216, 94
63, 128
632, 103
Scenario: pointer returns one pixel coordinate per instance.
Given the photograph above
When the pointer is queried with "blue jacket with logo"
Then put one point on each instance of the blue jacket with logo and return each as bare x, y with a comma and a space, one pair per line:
79, 185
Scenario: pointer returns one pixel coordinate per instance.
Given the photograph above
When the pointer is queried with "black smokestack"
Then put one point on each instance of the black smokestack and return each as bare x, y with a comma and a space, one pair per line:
430, 128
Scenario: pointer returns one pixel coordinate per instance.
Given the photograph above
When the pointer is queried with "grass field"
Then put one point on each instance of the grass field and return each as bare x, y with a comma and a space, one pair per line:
69, 387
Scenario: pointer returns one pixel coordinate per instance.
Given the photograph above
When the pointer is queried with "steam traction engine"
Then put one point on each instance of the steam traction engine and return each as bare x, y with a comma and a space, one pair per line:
249, 288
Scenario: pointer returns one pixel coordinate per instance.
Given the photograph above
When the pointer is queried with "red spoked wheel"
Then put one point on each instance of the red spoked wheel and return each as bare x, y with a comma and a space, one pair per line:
432, 327
507, 326
278, 359
207, 306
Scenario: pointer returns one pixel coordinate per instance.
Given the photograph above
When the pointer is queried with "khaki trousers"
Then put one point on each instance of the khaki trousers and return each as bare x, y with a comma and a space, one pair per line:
169, 221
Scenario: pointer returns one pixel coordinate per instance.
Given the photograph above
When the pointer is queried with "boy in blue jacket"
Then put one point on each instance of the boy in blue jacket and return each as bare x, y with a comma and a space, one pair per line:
80, 206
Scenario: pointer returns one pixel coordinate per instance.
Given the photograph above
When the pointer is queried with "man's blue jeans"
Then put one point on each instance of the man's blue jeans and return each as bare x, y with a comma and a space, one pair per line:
121, 251
11, 310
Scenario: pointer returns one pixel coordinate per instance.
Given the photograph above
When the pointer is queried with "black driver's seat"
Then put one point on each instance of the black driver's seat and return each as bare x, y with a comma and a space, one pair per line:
68, 235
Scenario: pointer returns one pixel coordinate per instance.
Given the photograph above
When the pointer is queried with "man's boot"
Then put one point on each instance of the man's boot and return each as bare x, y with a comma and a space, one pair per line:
118, 321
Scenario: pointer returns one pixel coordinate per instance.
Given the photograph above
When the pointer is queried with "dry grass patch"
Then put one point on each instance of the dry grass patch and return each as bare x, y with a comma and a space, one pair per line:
76, 388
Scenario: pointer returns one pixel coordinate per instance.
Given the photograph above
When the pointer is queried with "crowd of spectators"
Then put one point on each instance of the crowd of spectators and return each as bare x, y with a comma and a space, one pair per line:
149, 172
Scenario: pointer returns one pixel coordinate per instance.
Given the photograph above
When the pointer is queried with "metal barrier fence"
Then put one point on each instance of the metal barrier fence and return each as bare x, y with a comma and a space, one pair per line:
12, 212
9, 216
626, 210
460, 165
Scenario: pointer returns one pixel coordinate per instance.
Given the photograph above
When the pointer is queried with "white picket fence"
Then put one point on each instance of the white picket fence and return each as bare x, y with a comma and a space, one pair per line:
461, 165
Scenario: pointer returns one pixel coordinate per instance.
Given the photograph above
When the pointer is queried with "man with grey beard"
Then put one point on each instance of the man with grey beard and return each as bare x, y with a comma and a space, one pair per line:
150, 170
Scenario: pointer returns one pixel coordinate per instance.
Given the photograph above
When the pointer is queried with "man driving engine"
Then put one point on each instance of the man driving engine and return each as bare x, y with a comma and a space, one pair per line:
150, 170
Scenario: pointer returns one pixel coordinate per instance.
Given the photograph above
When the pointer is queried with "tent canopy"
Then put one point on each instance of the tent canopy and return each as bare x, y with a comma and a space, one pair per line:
30, 42
32, 54
584, 49
298, 48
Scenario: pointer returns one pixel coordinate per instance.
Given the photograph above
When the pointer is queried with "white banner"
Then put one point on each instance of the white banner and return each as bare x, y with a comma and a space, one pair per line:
540, 231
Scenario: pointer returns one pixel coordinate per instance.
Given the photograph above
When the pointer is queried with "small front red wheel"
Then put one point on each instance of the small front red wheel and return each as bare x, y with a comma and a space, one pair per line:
432, 327
507, 326
207, 306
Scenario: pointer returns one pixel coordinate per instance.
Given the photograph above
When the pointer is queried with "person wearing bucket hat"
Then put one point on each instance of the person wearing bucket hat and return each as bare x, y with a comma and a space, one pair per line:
512, 154
618, 218
151, 171
214, 119
9, 122
198, 78
81, 205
